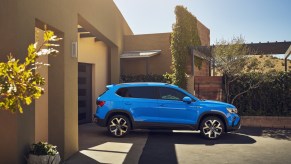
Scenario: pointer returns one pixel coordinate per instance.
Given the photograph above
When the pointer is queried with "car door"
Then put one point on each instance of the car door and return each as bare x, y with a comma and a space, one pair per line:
172, 109
141, 101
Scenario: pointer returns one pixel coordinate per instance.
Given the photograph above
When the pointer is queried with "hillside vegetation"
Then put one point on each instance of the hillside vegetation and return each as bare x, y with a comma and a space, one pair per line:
263, 63
270, 63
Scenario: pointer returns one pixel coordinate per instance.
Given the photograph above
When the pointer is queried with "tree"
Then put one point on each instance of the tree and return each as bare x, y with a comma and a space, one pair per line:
20, 83
231, 59
184, 35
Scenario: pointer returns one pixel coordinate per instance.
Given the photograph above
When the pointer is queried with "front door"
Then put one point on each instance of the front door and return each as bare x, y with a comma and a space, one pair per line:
84, 93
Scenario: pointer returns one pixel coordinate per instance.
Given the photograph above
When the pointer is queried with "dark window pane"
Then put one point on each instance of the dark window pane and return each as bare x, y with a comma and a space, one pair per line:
170, 94
82, 80
137, 92
82, 67
82, 92
82, 116
123, 92
82, 104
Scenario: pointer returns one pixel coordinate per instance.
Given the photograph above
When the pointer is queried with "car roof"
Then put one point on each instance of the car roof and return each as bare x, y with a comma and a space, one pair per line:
143, 84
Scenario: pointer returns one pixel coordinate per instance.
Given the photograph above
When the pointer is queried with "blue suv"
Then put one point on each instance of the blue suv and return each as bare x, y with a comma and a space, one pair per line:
128, 106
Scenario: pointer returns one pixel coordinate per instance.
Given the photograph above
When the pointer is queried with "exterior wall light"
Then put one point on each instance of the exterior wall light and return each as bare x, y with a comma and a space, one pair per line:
74, 49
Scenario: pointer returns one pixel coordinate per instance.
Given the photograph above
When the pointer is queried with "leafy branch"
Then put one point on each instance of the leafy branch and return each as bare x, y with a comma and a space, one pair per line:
20, 83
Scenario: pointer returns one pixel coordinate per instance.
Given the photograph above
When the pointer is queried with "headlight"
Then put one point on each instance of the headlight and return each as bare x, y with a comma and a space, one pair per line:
232, 110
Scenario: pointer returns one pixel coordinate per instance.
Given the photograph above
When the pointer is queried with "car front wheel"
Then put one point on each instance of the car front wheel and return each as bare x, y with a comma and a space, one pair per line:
118, 125
211, 127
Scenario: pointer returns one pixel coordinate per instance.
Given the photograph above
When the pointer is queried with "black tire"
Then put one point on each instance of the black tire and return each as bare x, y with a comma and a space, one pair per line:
212, 128
118, 125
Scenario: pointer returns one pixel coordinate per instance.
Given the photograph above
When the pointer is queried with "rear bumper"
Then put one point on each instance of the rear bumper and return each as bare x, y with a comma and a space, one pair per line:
100, 122
235, 125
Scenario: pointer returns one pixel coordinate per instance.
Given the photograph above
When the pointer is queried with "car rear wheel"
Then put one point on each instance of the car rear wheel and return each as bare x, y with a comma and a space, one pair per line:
211, 127
118, 125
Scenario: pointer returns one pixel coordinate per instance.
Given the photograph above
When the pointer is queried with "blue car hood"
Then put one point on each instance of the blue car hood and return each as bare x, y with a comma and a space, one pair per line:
215, 103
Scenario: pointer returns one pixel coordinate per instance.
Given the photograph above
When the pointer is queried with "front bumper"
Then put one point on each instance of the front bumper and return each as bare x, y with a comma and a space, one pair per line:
235, 124
100, 122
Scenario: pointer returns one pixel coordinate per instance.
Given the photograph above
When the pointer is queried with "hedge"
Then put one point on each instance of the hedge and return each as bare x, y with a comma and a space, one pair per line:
143, 78
271, 98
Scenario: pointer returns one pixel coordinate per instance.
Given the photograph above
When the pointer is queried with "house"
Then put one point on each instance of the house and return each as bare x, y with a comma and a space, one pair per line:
157, 58
95, 35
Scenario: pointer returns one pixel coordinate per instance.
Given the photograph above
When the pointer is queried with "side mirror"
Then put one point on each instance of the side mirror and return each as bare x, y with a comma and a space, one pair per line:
187, 100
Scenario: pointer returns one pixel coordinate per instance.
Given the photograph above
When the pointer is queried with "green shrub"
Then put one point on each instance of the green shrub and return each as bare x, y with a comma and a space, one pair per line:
271, 98
43, 148
143, 78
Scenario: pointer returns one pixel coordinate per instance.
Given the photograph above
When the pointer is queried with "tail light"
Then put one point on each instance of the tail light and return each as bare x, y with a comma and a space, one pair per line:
100, 103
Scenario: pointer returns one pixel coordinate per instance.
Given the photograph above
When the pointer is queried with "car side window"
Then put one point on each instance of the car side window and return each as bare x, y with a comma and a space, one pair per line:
137, 92
170, 94
122, 92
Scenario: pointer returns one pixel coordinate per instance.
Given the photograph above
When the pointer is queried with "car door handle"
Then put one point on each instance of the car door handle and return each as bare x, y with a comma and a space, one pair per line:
127, 103
197, 107
162, 105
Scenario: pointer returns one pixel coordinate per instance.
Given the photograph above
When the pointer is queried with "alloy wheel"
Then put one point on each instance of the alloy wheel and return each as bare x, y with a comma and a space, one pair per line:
212, 128
118, 126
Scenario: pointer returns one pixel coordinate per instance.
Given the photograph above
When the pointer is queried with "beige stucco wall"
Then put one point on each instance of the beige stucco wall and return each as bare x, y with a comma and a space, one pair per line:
158, 64
161, 63
41, 105
18, 20
204, 70
134, 66
95, 53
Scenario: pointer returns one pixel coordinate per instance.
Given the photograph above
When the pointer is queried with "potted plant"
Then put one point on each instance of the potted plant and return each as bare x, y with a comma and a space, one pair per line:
43, 153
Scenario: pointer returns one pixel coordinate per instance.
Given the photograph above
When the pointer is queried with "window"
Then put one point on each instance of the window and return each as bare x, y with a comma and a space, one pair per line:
137, 92
122, 92
170, 94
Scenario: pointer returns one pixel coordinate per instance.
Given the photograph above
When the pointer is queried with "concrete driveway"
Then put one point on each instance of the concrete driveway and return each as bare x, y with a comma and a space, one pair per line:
248, 145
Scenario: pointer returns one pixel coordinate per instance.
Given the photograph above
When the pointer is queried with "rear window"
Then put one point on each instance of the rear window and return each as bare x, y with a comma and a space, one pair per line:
137, 92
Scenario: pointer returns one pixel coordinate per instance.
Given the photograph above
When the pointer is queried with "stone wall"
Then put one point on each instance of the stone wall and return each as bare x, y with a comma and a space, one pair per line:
266, 121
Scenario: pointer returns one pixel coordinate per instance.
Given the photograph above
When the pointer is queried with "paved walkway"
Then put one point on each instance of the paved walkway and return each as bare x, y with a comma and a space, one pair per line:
97, 146
249, 145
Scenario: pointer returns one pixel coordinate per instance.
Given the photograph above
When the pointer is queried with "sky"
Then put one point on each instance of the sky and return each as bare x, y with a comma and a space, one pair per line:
254, 20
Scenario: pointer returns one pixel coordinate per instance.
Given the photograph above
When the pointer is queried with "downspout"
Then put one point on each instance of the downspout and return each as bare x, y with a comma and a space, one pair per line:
213, 61
147, 66
286, 64
193, 64
287, 54
193, 69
